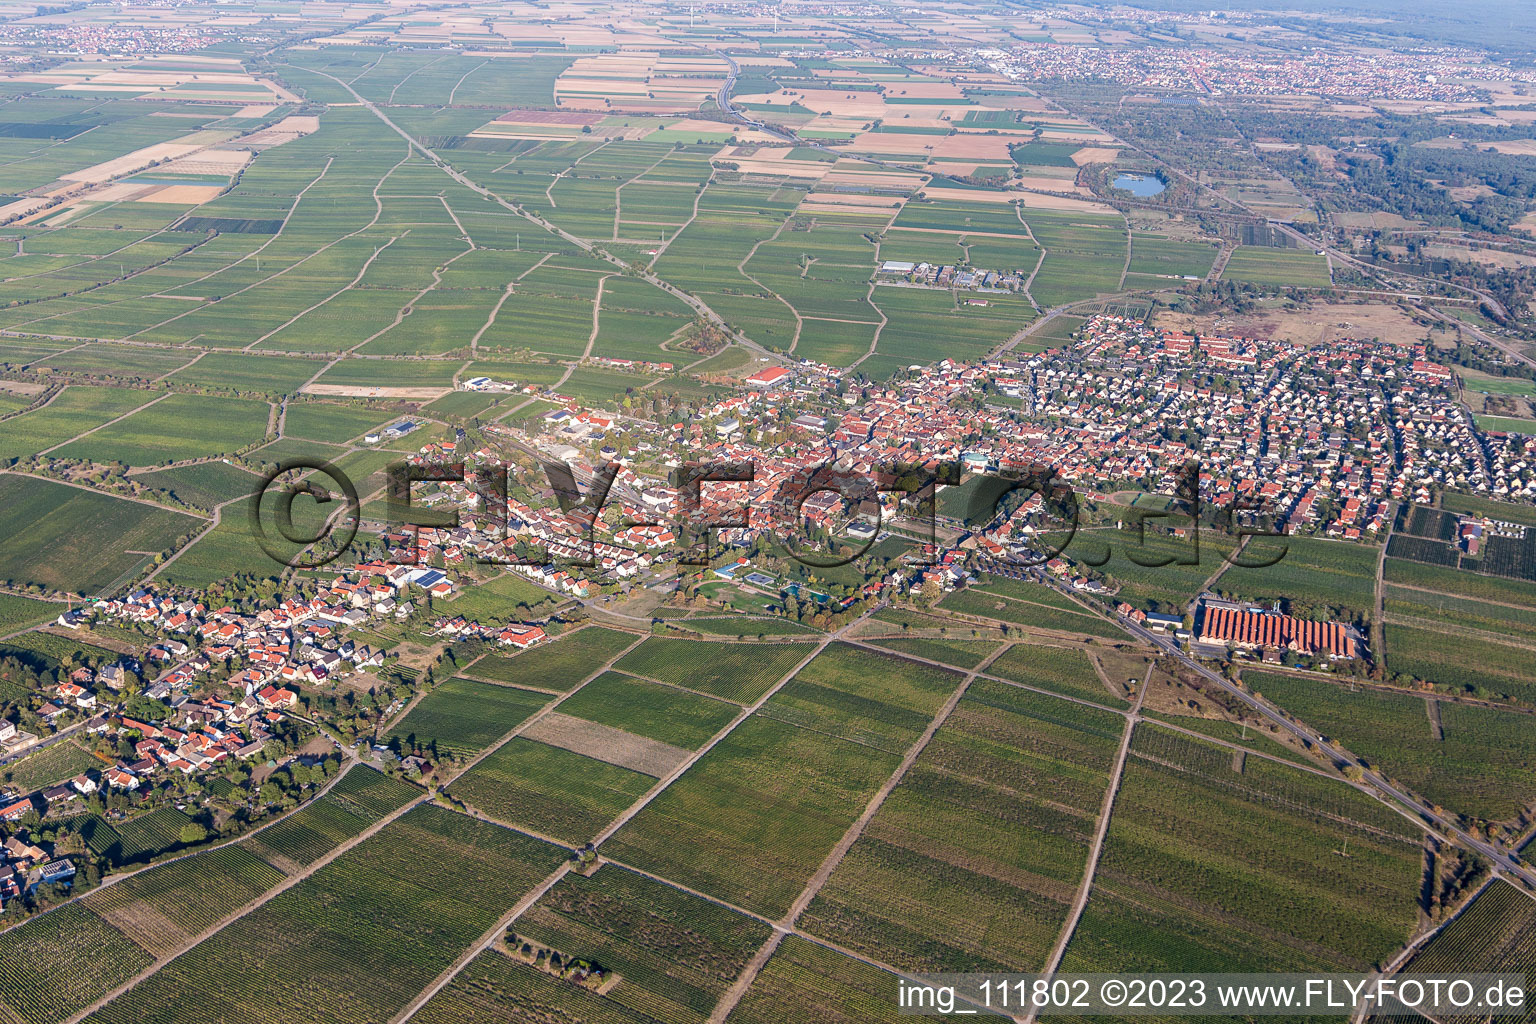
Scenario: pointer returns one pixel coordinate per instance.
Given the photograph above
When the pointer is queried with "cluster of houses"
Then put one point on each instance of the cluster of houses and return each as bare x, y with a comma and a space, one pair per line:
940, 275
24, 866
515, 635
1439, 74
294, 642
1319, 438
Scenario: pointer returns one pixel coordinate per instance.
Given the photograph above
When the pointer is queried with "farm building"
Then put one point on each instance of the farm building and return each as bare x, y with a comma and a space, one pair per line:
1227, 623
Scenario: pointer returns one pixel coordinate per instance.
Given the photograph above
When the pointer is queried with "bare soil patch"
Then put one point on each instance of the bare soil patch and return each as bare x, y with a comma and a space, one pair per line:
1308, 325
605, 743
354, 391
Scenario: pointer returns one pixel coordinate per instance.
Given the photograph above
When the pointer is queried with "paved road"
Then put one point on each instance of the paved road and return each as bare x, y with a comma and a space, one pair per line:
58, 737
1340, 760
1372, 780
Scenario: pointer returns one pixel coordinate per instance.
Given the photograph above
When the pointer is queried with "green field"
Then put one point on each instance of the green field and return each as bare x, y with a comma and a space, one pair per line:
118, 361
232, 548
804, 983
203, 485
1498, 385
741, 625
1312, 575
987, 604
35, 992
178, 427
460, 717
879, 700
555, 666
497, 599
649, 709
46, 652
73, 411
737, 672
334, 424
73, 539
164, 906
1508, 424
549, 790
1497, 933
1210, 869
988, 860
147, 835
1163, 257
1454, 501
1060, 670
958, 653
306, 835
677, 953
1278, 267
355, 801
1459, 613
279, 375
1452, 581
1462, 662
18, 611
767, 803
1134, 563
63, 760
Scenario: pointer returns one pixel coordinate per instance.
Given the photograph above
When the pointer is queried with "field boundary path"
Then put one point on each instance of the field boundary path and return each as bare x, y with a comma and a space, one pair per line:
1436, 729
786, 924
1219, 264
333, 854
1030, 234
99, 426
1090, 869
488, 940
694, 303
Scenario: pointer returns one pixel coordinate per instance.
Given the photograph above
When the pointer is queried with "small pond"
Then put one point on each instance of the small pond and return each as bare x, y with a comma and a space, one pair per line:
1139, 184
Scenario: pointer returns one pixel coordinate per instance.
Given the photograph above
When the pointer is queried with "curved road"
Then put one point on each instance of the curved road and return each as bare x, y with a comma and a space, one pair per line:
1340, 760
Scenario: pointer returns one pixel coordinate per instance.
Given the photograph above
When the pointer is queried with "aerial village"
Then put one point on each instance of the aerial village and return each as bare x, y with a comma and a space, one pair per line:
1317, 439
1437, 73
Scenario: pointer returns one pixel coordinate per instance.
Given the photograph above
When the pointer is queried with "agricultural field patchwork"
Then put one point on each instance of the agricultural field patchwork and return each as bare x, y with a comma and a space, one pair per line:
988, 862
1471, 759
1192, 877
384, 778
770, 800
463, 871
